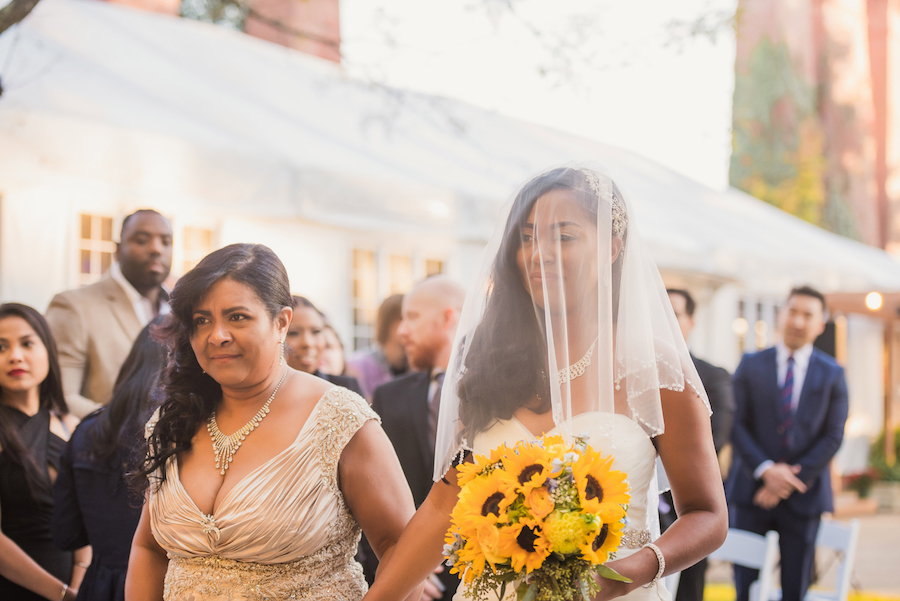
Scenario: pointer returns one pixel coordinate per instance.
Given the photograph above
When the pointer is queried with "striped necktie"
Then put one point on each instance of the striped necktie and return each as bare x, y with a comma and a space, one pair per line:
434, 409
785, 406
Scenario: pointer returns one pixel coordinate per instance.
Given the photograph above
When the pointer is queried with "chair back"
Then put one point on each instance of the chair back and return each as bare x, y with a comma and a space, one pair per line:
752, 551
841, 538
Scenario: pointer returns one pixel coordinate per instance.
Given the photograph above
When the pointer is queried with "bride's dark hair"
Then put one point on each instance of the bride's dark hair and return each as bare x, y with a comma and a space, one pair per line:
506, 365
190, 394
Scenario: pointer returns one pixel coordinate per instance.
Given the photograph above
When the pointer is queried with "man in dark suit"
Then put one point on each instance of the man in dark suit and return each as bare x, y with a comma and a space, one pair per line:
791, 408
717, 383
409, 405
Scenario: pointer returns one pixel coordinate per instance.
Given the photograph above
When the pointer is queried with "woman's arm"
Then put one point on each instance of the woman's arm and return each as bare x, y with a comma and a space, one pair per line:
377, 494
689, 456
146, 565
17, 566
81, 559
420, 549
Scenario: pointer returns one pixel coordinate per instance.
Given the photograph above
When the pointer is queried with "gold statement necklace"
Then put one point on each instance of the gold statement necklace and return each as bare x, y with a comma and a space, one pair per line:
578, 368
226, 446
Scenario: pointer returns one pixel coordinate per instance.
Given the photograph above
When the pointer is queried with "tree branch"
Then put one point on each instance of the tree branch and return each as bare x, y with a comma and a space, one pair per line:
14, 12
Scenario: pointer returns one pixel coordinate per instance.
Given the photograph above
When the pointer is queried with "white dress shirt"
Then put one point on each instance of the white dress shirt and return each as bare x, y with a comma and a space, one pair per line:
143, 308
801, 364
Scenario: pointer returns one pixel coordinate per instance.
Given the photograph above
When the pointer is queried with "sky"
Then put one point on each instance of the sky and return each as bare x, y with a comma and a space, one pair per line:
626, 73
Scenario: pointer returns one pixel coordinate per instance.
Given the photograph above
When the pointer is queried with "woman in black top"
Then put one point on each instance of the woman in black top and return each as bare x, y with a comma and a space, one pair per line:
34, 426
94, 505
305, 341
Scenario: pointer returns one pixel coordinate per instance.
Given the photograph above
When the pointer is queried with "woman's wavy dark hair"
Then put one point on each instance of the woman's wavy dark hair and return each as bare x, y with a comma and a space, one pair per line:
51, 397
190, 394
506, 365
118, 430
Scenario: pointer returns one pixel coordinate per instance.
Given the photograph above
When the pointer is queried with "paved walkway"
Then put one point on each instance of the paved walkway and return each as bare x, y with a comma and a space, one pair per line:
877, 565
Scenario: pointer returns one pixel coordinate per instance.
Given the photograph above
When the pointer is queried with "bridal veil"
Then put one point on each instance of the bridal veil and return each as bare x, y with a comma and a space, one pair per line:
567, 313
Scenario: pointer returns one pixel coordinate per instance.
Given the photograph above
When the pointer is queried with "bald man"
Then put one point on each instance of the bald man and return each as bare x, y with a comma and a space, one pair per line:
409, 405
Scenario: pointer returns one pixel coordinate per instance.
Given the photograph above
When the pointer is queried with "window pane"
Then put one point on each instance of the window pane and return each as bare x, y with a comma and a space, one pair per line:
85, 227
86, 261
106, 229
401, 274
433, 267
365, 290
105, 261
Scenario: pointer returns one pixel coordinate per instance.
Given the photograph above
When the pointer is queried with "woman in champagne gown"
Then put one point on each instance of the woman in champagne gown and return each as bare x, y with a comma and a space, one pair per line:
273, 509
567, 329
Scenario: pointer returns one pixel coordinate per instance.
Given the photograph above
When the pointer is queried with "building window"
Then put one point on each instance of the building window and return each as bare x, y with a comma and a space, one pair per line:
401, 274
365, 297
96, 247
196, 245
433, 267
377, 275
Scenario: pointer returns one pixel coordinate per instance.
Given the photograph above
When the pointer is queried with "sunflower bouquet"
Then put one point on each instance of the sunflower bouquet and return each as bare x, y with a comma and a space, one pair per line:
543, 516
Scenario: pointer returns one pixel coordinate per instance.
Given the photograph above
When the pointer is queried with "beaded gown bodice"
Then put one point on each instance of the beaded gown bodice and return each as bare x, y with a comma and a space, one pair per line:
283, 531
632, 452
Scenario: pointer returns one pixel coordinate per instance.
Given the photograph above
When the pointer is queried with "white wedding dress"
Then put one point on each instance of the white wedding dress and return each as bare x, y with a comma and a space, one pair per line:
633, 453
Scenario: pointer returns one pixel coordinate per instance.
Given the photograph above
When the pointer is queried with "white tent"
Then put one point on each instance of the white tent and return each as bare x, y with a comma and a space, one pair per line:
131, 100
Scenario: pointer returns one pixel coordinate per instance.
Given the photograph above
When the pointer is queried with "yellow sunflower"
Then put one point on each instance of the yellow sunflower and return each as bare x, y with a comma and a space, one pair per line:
468, 470
525, 545
484, 499
471, 559
602, 542
556, 446
601, 489
529, 466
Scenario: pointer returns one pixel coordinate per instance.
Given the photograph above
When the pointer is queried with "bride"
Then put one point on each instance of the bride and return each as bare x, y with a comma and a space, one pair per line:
568, 330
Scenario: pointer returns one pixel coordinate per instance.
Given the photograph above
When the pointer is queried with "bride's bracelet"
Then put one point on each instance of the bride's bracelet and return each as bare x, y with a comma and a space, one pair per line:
662, 564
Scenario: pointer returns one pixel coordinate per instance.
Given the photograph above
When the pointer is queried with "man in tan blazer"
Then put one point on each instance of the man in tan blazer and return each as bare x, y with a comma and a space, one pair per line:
96, 325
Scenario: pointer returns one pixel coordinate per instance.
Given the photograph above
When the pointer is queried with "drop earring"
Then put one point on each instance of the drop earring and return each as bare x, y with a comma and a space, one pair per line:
281, 351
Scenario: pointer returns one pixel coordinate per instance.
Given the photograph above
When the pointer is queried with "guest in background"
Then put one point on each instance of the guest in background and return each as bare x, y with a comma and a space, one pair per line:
95, 326
409, 405
792, 405
717, 382
93, 505
34, 427
305, 341
386, 360
331, 360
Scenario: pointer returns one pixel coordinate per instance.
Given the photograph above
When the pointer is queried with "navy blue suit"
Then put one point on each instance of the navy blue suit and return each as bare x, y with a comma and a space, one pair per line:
814, 438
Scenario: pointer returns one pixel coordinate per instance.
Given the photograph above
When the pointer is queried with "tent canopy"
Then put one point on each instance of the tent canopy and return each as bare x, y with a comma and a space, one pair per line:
108, 92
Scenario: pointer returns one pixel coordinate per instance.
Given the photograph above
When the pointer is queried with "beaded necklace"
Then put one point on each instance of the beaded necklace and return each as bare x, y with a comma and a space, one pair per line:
578, 368
226, 446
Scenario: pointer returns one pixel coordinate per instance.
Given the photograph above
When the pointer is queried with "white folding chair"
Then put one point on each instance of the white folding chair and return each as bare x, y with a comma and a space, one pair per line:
752, 551
841, 538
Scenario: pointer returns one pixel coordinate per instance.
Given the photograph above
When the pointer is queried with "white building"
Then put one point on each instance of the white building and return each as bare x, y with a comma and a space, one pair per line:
361, 190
